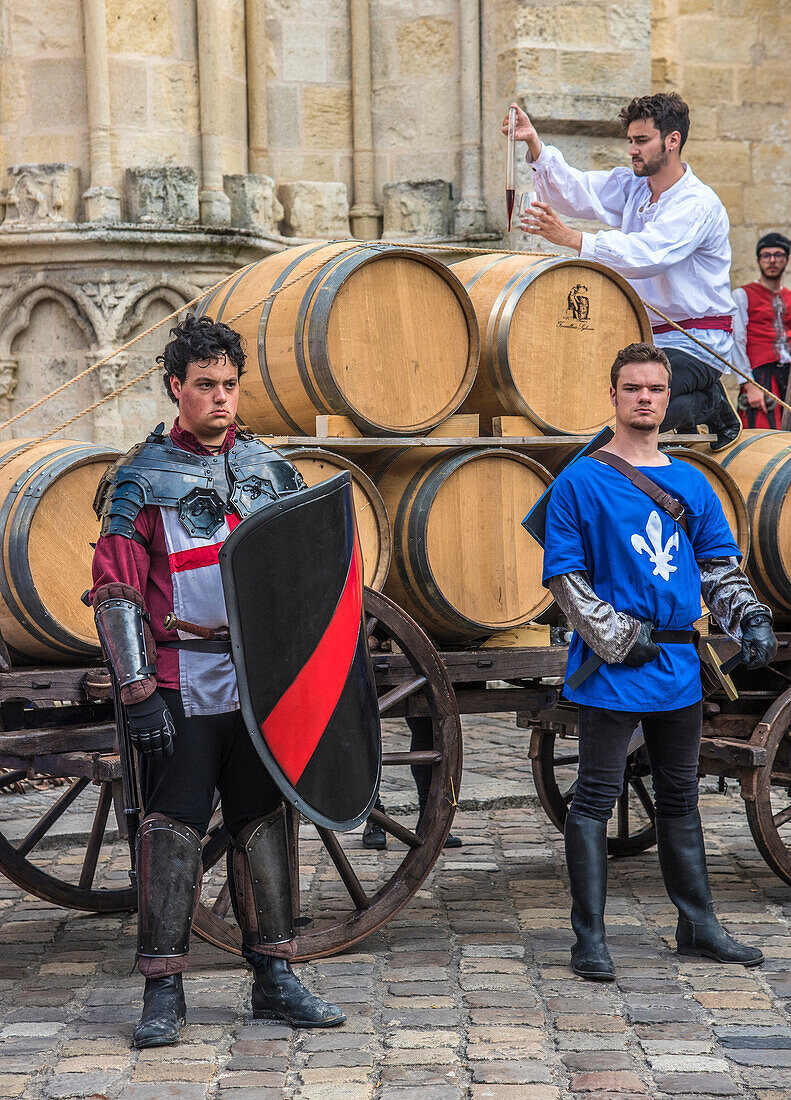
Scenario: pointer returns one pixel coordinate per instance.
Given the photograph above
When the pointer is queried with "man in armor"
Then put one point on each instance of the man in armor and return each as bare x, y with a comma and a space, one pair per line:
633, 539
166, 508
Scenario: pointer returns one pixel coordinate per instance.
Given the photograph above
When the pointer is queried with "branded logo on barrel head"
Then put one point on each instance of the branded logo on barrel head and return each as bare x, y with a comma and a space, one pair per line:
577, 309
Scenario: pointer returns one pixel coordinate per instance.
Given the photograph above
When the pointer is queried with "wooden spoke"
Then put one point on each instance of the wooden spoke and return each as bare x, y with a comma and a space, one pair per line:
782, 818
638, 787
416, 756
567, 797
371, 624
223, 901
623, 814
344, 868
12, 777
561, 760
48, 820
88, 872
390, 825
403, 691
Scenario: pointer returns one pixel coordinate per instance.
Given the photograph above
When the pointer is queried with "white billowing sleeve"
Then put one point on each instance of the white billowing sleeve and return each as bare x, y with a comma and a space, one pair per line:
599, 196
740, 333
673, 236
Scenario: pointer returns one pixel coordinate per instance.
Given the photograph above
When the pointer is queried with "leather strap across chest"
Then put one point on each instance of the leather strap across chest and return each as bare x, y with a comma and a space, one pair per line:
669, 504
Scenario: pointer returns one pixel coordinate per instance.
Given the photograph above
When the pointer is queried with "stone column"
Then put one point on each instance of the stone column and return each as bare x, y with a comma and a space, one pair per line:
102, 201
215, 206
257, 121
9, 373
108, 421
365, 214
471, 211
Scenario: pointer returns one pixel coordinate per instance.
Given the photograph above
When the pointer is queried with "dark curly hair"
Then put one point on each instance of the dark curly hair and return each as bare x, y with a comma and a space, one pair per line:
196, 339
668, 111
638, 353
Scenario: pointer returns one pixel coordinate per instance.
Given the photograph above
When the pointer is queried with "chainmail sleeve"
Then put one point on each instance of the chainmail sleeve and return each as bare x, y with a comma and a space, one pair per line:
728, 594
609, 633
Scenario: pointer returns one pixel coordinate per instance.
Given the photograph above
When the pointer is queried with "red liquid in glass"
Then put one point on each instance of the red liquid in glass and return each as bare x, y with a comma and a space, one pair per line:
510, 195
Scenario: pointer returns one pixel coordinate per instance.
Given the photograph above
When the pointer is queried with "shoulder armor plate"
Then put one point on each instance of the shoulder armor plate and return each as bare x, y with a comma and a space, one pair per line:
202, 487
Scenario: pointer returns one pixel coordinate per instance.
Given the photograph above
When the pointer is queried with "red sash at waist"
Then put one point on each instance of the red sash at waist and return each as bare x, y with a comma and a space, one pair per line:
722, 322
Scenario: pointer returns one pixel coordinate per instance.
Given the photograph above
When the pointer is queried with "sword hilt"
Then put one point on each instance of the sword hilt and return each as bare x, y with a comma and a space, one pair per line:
172, 622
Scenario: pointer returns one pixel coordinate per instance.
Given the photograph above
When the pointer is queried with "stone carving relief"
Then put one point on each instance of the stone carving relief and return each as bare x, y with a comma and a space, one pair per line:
313, 209
417, 208
39, 193
254, 204
162, 195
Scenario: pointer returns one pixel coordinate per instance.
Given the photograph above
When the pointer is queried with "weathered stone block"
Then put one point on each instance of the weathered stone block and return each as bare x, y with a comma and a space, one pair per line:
417, 208
254, 204
41, 193
140, 27
157, 195
426, 47
314, 209
326, 117
304, 50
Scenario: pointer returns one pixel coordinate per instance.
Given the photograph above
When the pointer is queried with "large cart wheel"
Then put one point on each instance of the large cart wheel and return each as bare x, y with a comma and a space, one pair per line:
345, 891
95, 882
555, 763
767, 789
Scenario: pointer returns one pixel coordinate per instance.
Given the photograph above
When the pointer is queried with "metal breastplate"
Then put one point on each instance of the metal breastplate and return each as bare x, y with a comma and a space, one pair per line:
204, 488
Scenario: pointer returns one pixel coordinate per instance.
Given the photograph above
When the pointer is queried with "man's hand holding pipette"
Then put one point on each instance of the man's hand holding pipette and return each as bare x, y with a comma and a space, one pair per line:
525, 131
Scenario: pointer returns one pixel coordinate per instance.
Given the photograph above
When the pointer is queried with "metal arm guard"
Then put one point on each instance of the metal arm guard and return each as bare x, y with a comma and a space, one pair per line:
609, 633
202, 487
169, 869
259, 871
121, 626
728, 594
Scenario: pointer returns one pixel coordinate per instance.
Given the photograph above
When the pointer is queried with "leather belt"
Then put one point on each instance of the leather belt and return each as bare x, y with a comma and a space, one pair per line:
666, 637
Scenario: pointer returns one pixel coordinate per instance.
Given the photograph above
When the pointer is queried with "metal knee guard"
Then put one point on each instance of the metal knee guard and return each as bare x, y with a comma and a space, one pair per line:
262, 881
169, 869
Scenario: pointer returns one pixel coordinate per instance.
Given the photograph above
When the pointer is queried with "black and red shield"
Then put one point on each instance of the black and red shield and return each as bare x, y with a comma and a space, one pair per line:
293, 580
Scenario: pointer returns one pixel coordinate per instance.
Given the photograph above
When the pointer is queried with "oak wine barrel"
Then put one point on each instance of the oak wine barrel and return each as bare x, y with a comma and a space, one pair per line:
550, 330
384, 335
373, 525
729, 493
48, 524
462, 565
760, 464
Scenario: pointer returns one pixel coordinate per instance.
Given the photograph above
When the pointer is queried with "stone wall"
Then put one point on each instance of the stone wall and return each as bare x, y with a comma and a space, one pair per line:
730, 61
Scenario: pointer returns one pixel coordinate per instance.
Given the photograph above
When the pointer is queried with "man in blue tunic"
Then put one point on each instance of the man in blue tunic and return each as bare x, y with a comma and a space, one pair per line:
629, 578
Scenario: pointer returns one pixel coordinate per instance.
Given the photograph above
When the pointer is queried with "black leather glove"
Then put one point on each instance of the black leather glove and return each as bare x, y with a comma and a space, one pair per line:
759, 644
151, 728
644, 648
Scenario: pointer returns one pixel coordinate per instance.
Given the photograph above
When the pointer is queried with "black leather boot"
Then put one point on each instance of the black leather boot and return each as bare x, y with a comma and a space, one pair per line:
164, 1013
586, 859
278, 994
724, 421
374, 835
682, 857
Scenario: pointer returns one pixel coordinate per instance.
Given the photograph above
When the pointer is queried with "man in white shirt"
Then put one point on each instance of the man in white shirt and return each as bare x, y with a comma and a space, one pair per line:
762, 334
670, 240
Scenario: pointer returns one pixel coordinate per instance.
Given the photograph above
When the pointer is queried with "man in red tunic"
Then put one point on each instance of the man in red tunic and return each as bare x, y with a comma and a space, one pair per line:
762, 333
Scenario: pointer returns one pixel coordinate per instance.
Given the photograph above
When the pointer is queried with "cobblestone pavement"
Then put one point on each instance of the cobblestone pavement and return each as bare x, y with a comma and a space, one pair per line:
465, 994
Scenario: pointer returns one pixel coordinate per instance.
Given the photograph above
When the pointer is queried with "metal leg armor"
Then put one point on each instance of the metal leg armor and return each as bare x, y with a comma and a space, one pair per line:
169, 869
260, 881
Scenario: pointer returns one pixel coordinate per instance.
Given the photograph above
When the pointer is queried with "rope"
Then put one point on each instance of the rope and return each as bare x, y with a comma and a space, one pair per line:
381, 246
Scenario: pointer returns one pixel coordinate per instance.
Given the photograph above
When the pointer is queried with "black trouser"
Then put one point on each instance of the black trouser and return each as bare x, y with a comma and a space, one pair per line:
672, 738
211, 752
422, 732
694, 391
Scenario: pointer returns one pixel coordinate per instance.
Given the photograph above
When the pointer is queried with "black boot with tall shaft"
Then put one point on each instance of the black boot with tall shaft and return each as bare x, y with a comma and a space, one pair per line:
586, 859
682, 857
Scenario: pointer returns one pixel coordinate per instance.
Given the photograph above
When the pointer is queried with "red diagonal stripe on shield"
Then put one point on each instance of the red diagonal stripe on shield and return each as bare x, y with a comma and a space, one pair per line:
294, 727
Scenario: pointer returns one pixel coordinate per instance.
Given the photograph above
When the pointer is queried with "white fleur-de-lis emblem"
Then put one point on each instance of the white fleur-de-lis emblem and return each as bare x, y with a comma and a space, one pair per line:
659, 555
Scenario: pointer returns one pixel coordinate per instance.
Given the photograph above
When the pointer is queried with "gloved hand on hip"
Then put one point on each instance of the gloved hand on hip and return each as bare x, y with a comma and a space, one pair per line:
151, 728
644, 648
759, 643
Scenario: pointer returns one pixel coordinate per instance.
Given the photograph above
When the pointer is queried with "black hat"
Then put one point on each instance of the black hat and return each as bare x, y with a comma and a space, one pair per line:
773, 240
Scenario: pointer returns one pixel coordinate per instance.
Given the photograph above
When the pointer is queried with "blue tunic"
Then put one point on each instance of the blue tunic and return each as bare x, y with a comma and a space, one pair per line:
639, 560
